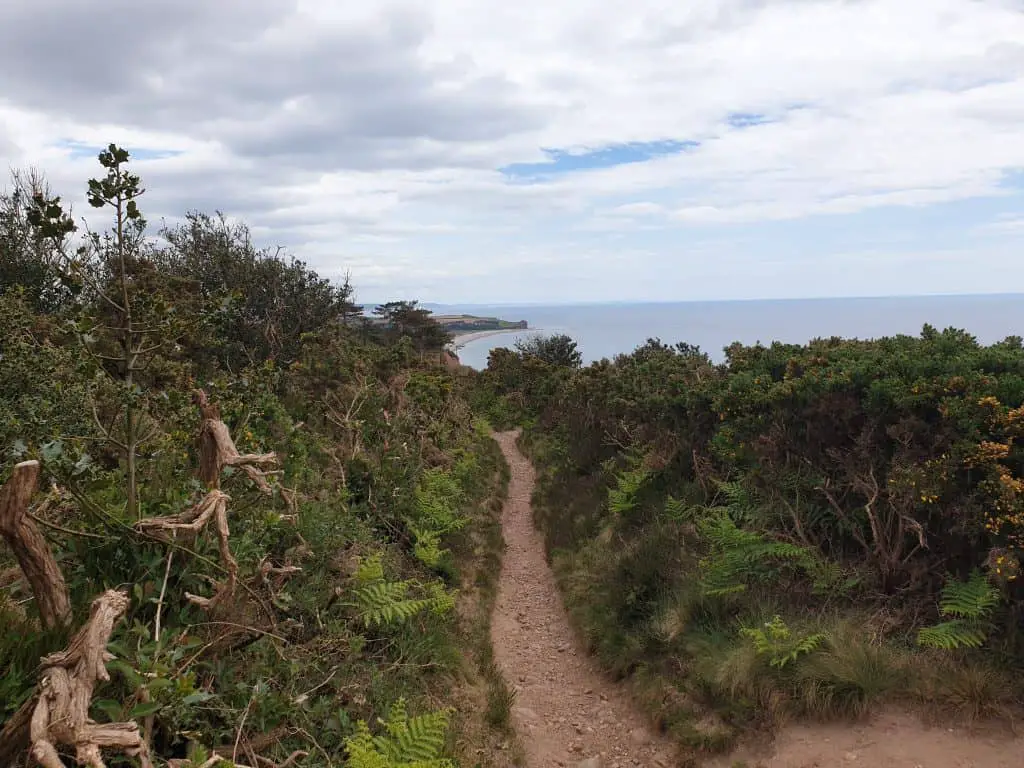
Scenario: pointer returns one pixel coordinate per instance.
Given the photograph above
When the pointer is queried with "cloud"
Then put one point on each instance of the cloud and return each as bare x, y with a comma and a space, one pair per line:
1008, 224
457, 149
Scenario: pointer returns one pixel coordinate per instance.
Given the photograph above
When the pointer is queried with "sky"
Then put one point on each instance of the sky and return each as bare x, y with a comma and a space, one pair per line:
476, 151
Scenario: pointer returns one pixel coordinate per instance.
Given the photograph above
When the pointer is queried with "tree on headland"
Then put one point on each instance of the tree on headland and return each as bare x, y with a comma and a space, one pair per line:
407, 318
556, 349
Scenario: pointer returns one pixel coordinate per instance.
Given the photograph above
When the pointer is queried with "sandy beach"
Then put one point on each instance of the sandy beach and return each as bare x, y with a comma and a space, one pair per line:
462, 339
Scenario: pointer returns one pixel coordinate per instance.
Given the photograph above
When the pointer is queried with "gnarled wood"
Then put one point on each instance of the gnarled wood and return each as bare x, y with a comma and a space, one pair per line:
217, 450
58, 715
213, 506
30, 548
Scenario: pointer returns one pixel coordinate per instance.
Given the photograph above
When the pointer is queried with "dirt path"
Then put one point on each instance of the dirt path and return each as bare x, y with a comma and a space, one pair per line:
889, 740
566, 712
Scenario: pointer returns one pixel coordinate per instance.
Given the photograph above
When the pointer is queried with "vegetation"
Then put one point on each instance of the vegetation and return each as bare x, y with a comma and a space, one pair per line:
471, 323
802, 529
558, 349
265, 499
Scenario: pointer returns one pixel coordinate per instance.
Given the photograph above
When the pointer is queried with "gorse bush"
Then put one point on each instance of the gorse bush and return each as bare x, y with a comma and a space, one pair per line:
685, 503
325, 594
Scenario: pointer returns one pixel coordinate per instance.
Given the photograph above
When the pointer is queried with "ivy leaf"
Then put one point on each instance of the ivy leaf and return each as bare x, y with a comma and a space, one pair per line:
110, 708
125, 669
144, 709
52, 450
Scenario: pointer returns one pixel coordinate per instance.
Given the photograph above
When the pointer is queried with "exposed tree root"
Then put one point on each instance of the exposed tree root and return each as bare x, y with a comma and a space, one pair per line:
30, 548
217, 450
213, 506
58, 715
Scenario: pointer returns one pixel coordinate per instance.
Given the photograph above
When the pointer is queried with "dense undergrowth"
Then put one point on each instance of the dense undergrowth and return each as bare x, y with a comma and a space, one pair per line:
803, 530
339, 642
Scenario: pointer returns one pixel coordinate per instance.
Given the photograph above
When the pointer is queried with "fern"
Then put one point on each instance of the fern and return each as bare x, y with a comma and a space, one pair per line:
971, 599
370, 569
678, 510
385, 603
623, 497
776, 641
951, 635
969, 603
409, 742
427, 548
380, 602
439, 497
740, 503
738, 556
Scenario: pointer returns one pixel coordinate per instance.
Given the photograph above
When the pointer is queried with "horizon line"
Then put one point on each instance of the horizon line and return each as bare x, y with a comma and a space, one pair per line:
635, 302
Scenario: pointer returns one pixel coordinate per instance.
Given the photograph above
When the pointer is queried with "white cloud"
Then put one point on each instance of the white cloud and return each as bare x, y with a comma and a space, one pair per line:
370, 135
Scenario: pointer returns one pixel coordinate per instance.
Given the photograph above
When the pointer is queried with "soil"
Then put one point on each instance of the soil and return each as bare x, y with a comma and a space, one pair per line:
888, 740
568, 713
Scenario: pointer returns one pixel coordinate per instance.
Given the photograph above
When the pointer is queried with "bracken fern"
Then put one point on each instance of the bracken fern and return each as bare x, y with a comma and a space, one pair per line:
737, 556
381, 602
969, 603
776, 641
410, 742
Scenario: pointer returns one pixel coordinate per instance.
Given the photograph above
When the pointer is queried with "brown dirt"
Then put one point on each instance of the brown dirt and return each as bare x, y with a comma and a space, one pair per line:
566, 712
889, 740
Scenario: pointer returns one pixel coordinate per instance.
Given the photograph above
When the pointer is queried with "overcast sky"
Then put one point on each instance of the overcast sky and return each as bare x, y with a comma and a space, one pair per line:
554, 150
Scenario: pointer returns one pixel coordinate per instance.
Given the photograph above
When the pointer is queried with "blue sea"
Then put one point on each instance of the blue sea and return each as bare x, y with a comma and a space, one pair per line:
605, 330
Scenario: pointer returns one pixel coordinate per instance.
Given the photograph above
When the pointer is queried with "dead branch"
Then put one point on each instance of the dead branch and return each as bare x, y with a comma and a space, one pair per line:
30, 548
217, 450
58, 715
282, 573
213, 506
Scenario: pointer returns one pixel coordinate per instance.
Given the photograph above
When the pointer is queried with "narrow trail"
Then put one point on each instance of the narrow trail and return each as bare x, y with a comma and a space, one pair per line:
566, 712
888, 740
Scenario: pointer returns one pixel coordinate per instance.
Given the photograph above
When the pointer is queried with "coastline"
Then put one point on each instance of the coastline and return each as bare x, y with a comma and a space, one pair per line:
463, 339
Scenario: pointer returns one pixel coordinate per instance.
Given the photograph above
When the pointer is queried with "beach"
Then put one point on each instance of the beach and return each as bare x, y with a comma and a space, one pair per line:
461, 339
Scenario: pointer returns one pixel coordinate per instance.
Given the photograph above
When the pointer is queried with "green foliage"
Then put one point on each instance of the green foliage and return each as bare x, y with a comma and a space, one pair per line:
776, 641
623, 498
826, 479
438, 500
737, 557
409, 742
405, 319
558, 350
105, 338
970, 603
848, 677
386, 603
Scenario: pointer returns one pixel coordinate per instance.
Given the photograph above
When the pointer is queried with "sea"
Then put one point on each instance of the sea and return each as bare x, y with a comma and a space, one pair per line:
606, 330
